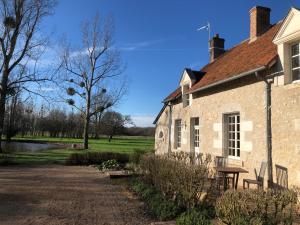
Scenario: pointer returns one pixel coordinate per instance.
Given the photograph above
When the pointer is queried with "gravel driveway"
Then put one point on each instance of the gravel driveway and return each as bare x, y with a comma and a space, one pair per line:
48, 195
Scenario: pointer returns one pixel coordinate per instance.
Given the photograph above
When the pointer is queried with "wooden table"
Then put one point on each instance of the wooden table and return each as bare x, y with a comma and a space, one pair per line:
231, 170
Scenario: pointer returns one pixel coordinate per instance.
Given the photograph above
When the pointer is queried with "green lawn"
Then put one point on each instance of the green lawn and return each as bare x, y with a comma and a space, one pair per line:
58, 156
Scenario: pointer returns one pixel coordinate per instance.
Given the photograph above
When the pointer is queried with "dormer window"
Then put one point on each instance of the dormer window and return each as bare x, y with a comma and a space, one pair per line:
185, 95
296, 62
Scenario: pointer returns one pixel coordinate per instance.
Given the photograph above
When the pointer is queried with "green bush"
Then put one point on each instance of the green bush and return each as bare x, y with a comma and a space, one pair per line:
160, 207
194, 217
187, 184
96, 158
6, 160
255, 207
109, 164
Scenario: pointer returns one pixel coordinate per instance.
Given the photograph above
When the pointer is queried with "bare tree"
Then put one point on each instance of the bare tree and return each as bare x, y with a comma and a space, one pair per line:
114, 123
19, 45
89, 69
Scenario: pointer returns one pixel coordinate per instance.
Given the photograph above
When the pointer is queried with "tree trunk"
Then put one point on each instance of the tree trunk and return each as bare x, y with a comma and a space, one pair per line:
86, 133
2, 103
110, 137
87, 122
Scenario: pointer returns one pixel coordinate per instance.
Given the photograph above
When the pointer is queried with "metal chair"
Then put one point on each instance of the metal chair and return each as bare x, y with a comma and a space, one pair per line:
221, 161
281, 177
259, 178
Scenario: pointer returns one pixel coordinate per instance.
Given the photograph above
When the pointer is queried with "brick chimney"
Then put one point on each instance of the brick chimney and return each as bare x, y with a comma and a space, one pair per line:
216, 47
259, 21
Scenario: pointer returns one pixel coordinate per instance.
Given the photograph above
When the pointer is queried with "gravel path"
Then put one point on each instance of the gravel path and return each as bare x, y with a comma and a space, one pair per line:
61, 195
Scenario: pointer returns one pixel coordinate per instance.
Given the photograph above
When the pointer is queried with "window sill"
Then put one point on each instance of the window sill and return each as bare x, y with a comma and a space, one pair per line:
296, 82
234, 158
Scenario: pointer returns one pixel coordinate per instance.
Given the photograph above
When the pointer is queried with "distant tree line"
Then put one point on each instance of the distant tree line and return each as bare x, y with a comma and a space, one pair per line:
23, 119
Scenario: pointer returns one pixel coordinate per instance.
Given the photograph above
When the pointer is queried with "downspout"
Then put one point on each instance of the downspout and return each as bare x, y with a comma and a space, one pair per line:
170, 127
268, 125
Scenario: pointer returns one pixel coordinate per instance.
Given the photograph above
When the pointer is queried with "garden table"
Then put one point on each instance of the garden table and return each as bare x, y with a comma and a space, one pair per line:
235, 171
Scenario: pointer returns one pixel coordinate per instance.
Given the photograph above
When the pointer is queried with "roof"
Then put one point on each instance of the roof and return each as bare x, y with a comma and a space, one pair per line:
159, 114
244, 57
196, 75
241, 59
175, 94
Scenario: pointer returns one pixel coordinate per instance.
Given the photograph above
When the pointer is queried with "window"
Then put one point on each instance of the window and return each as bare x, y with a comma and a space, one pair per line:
185, 96
196, 133
177, 133
232, 135
161, 134
295, 62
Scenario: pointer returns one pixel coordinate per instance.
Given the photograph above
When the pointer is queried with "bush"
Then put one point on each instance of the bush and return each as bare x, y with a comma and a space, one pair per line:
6, 160
194, 217
185, 183
109, 164
160, 207
256, 207
135, 157
94, 158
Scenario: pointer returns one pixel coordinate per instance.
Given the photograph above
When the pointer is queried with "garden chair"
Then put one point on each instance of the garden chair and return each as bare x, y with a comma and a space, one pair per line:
281, 177
221, 161
259, 181
198, 158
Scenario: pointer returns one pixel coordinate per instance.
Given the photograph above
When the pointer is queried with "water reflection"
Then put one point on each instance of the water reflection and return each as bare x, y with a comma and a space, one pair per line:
26, 147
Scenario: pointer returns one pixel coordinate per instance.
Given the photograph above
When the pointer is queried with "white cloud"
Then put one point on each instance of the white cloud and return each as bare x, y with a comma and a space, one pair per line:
143, 120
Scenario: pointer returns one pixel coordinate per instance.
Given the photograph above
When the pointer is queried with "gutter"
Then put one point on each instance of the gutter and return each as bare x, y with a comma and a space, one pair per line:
229, 79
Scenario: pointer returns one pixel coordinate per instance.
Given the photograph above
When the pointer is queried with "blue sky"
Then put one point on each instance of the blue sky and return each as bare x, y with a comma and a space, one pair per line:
158, 39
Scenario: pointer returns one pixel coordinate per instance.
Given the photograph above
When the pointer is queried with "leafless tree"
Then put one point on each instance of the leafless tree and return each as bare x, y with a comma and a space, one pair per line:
20, 45
89, 69
114, 123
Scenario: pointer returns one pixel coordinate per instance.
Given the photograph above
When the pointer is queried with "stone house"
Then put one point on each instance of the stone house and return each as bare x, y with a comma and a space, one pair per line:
244, 104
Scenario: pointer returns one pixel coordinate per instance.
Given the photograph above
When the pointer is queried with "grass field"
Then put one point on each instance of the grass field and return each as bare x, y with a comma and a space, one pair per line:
58, 156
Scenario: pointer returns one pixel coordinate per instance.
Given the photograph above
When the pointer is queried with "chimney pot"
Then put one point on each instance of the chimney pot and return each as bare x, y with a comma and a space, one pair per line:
216, 45
259, 21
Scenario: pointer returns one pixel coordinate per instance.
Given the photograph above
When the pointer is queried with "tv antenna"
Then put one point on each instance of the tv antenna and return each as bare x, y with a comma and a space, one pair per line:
208, 28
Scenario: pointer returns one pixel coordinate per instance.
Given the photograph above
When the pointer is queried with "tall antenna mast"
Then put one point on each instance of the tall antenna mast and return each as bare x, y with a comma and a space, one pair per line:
206, 27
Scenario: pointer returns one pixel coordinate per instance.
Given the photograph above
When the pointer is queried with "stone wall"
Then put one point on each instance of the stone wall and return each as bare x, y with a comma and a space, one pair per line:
247, 97
286, 129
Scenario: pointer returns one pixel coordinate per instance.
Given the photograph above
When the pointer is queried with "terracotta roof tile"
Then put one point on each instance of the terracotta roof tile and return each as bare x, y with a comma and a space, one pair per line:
239, 59
175, 94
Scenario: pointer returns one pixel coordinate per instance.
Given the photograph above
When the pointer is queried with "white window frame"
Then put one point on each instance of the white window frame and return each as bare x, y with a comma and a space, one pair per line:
196, 134
232, 135
186, 100
292, 57
178, 133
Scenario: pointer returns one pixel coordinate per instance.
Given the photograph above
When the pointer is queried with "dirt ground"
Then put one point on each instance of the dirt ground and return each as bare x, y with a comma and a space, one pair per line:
61, 195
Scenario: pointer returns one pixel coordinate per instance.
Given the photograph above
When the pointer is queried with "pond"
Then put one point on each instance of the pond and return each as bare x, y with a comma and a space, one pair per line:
27, 147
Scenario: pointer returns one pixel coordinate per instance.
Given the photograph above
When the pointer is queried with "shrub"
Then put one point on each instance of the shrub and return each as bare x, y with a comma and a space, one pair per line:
256, 207
185, 183
135, 157
6, 160
94, 158
194, 217
160, 207
109, 164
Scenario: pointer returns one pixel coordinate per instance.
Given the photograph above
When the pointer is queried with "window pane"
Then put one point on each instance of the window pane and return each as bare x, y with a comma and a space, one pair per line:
295, 62
295, 49
296, 74
238, 153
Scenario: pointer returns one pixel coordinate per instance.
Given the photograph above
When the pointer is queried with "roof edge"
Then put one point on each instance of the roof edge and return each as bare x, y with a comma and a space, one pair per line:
229, 79
159, 114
